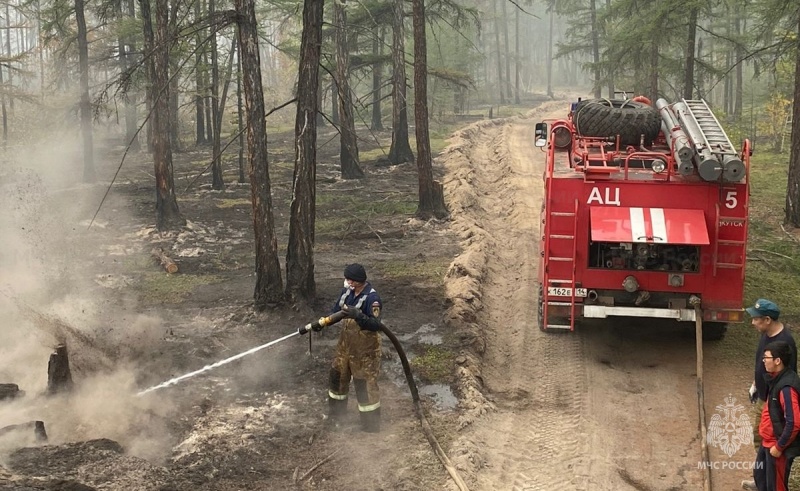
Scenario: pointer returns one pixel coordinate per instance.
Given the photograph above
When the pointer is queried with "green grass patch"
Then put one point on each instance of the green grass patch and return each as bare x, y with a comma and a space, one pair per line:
374, 154
158, 287
431, 269
365, 208
435, 365
333, 226
773, 265
230, 203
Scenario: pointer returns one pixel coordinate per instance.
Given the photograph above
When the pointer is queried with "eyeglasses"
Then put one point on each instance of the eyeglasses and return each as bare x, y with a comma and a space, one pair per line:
767, 358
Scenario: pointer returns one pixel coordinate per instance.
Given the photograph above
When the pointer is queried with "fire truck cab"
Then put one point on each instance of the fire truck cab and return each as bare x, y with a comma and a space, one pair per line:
644, 215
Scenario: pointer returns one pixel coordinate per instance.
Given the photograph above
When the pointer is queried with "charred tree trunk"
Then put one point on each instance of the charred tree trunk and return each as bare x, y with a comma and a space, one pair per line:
86, 107
59, 376
738, 93
500, 82
431, 194
320, 100
551, 10
269, 284
126, 49
174, 83
595, 50
516, 56
217, 182
793, 188
377, 79
239, 117
400, 151
688, 79
507, 50
654, 71
4, 111
10, 81
334, 102
199, 107
348, 151
300, 251
157, 45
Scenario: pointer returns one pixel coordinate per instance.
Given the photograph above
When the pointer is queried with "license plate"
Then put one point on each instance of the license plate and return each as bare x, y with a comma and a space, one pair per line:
555, 291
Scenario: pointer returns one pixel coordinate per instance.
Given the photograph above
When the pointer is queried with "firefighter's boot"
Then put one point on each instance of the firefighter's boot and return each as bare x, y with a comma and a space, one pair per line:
337, 409
371, 421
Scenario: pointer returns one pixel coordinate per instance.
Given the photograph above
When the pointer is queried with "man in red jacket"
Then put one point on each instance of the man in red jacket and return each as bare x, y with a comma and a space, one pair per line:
780, 420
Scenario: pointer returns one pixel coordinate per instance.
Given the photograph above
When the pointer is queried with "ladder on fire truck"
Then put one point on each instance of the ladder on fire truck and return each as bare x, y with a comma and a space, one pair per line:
566, 222
712, 131
716, 139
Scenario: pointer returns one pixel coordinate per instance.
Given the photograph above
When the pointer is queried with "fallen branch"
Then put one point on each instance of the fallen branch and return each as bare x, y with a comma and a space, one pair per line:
308, 472
761, 259
167, 262
770, 252
789, 234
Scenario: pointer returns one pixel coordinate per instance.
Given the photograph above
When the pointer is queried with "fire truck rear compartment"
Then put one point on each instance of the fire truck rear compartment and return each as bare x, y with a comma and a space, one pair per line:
644, 257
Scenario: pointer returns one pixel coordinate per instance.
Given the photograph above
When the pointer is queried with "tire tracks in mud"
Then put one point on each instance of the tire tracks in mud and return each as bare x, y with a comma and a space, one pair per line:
521, 424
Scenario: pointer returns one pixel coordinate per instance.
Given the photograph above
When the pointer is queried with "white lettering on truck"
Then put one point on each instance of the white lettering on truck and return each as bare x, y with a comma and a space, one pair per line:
595, 196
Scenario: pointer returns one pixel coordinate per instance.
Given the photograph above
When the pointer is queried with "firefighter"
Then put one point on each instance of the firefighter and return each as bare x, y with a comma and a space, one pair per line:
358, 352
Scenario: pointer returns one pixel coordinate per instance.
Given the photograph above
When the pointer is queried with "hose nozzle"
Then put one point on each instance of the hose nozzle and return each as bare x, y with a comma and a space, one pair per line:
322, 322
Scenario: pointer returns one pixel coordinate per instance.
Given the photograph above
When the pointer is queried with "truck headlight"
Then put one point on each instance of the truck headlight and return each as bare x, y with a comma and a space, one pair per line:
658, 166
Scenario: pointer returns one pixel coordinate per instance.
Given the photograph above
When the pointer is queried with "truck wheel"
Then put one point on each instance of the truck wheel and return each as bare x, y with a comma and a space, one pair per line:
609, 117
714, 331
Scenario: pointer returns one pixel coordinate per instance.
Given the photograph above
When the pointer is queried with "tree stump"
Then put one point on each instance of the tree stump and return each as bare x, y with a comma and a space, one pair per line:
9, 391
39, 433
59, 377
167, 262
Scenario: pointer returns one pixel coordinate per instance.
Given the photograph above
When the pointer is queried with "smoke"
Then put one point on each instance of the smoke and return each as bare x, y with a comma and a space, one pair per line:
50, 294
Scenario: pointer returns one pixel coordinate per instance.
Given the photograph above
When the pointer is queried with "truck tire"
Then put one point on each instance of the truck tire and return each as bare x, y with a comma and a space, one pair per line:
610, 117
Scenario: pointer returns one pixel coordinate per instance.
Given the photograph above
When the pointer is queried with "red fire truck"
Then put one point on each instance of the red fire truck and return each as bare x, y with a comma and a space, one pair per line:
644, 215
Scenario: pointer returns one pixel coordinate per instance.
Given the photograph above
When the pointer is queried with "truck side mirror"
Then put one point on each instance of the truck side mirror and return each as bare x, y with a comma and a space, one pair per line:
540, 134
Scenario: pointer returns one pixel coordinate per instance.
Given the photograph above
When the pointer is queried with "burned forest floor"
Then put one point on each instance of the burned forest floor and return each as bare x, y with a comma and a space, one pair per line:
92, 283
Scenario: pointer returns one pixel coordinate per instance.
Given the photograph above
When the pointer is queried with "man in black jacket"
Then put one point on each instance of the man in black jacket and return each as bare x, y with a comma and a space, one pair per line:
780, 420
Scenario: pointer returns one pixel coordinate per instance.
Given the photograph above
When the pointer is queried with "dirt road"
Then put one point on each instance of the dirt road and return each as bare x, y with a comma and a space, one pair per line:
611, 407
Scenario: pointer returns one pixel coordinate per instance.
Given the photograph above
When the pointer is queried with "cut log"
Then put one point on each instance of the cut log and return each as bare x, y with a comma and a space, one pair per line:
59, 376
39, 433
10, 391
168, 264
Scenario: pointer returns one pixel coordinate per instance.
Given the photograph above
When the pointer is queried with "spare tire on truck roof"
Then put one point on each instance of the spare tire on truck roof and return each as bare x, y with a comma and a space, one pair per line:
611, 117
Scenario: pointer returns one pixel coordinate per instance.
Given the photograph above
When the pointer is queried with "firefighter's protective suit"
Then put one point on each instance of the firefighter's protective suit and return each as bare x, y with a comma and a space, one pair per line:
358, 356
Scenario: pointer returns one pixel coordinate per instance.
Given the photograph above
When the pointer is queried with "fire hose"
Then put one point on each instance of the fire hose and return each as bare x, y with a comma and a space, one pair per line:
418, 409
317, 326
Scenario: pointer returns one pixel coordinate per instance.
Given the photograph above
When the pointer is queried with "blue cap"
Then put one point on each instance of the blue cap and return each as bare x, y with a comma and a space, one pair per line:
764, 308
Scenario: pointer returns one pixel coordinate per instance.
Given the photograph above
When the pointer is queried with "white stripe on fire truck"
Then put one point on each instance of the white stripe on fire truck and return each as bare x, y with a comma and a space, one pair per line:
638, 233
659, 224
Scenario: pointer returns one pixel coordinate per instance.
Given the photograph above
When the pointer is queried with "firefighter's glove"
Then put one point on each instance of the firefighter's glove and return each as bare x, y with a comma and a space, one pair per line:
354, 313
753, 394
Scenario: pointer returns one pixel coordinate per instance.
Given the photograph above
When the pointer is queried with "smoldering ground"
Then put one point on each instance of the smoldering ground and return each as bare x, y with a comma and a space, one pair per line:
48, 296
